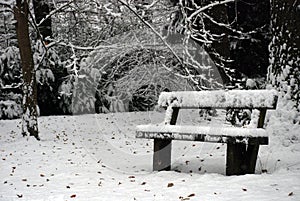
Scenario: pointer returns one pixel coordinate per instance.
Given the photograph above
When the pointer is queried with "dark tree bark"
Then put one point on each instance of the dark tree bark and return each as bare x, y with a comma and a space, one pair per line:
29, 119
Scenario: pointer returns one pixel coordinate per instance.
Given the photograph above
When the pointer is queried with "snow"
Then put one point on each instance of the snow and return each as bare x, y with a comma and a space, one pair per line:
220, 98
97, 157
205, 130
208, 130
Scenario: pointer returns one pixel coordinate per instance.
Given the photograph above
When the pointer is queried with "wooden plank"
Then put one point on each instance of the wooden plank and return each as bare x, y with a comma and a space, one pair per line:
203, 138
187, 131
162, 148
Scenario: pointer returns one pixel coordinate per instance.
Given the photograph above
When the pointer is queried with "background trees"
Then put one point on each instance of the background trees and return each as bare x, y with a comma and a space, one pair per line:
85, 51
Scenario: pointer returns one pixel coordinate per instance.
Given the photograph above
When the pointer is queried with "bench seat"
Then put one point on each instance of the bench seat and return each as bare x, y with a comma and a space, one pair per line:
203, 133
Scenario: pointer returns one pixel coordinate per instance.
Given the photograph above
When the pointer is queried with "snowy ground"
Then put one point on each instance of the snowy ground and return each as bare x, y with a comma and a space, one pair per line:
96, 157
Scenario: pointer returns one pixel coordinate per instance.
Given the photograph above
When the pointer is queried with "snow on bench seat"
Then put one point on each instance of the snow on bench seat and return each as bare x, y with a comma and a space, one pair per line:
203, 133
220, 99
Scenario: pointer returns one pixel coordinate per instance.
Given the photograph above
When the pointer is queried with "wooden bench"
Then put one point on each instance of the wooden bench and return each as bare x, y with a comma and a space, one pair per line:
242, 143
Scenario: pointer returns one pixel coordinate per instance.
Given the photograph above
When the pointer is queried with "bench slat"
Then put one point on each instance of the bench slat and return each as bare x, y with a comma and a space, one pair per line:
250, 99
204, 134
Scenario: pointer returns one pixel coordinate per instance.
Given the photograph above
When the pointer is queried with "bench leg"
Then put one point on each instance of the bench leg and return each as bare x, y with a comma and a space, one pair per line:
234, 158
162, 155
250, 158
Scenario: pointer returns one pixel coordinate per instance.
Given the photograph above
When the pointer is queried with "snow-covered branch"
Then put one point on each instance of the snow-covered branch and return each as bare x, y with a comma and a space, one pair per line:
152, 29
55, 11
194, 14
87, 48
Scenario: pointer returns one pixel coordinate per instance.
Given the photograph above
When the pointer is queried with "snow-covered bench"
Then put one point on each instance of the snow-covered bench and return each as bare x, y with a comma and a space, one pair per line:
242, 143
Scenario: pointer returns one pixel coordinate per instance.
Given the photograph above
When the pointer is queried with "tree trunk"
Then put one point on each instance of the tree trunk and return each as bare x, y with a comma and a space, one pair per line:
284, 69
29, 118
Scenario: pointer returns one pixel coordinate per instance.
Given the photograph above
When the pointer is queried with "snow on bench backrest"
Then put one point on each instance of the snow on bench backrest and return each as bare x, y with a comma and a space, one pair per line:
220, 99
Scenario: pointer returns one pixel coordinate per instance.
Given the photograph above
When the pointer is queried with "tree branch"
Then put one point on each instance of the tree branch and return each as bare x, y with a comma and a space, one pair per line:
153, 30
194, 14
54, 11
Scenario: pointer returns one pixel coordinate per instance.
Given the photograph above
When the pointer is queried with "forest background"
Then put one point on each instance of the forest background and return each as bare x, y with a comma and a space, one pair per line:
115, 56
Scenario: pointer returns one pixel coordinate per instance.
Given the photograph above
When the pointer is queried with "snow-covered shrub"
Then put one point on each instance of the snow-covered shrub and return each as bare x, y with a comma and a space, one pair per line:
10, 83
10, 70
140, 66
77, 91
283, 123
50, 73
10, 105
10, 110
134, 80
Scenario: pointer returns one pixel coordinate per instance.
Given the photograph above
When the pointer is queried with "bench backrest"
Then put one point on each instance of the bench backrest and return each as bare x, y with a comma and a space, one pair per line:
243, 99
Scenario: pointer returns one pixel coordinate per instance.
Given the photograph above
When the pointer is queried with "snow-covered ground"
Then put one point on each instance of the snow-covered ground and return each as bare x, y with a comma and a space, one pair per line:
97, 157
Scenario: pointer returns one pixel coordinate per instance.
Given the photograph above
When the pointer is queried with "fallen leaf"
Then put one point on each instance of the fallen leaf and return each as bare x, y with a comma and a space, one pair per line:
191, 195
170, 185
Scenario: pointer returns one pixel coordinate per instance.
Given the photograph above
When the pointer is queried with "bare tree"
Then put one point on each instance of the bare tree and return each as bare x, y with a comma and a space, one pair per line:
29, 119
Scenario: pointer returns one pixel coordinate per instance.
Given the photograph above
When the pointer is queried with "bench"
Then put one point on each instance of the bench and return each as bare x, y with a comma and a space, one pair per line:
242, 143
